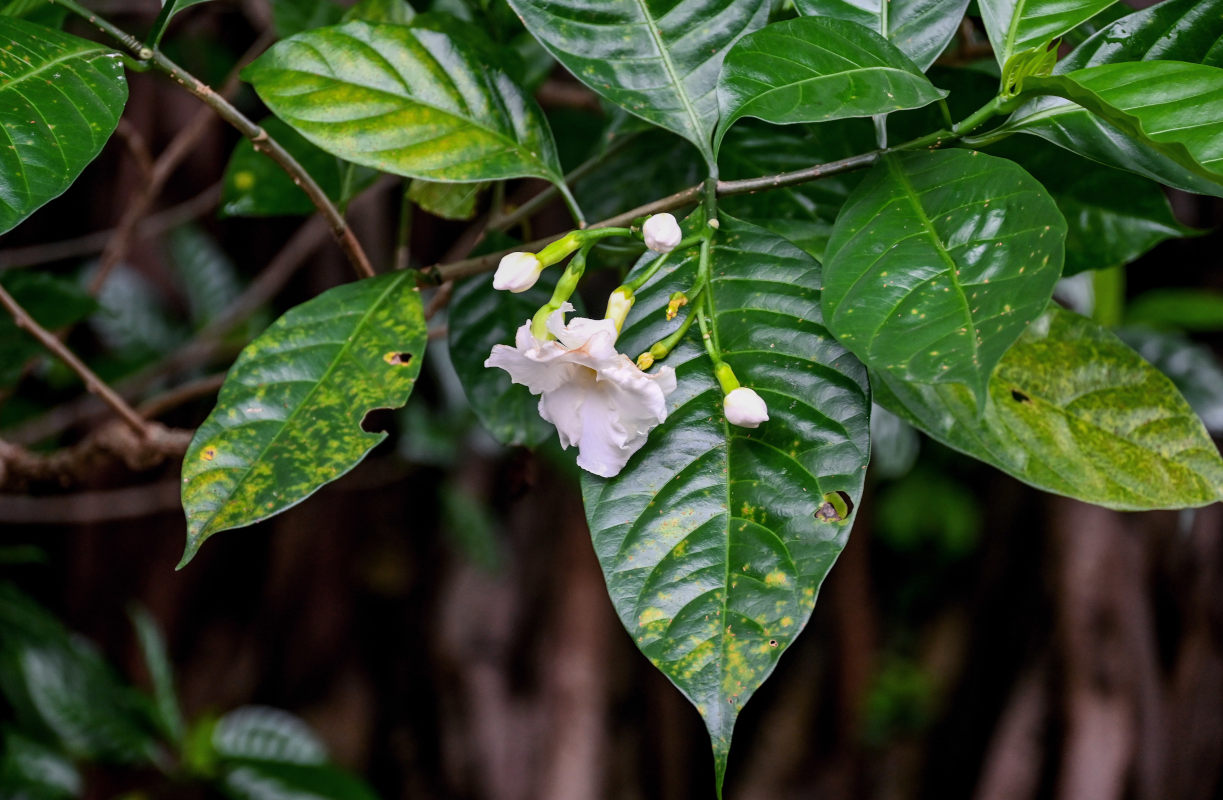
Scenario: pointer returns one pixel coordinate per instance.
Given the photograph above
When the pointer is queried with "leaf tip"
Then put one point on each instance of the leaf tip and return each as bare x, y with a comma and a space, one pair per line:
193, 546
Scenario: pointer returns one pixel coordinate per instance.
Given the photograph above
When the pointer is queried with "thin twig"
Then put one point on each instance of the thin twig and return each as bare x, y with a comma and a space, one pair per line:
169, 400
92, 382
258, 136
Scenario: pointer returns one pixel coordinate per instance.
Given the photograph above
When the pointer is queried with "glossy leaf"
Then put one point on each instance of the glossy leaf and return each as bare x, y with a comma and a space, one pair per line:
480, 317
814, 69
1172, 30
396, 12
288, 419
446, 200
260, 733
255, 186
714, 539
60, 100
1178, 309
407, 100
291, 17
1112, 217
52, 301
1074, 411
1017, 25
938, 261
1191, 367
645, 56
920, 28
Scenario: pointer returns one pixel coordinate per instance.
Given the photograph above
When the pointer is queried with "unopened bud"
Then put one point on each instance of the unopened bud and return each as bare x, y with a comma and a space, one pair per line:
517, 272
560, 249
618, 305
677, 300
645, 361
745, 408
661, 233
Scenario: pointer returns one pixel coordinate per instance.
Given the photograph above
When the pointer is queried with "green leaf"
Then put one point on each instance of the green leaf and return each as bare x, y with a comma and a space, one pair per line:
1172, 30
260, 733
168, 9
920, 28
480, 317
447, 200
30, 770
268, 781
1112, 217
52, 301
288, 419
38, 12
1178, 309
1192, 368
815, 69
659, 59
396, 12
649, 165
1072, 410
1170, 107
60, 100
938, 261
714, 539
407, 100
157, 661
1017, 25
291, 17
255, 186
208, 278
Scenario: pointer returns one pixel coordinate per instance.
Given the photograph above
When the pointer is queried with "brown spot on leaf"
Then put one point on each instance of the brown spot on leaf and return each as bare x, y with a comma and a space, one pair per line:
209, 454
398, 359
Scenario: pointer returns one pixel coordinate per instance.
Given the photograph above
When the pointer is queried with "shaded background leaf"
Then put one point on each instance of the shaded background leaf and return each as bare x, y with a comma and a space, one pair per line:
920, 28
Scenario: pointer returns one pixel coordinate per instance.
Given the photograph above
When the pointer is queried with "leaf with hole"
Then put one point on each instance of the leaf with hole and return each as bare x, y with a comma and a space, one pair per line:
937, 263
920, 28
411, 101
816, 69
714, 539
659, 59
1074, 411
60, 100
1017, 25
288, 418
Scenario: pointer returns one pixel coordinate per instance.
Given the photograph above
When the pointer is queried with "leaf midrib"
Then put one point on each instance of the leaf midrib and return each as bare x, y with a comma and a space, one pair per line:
344, 349
672, 73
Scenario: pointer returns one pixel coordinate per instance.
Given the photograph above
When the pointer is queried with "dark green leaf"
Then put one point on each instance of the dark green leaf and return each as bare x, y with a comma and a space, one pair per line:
815, 69
1178, 309
714, 539
157, 661
288, 419
30, 770
938, 261
38, 12
1017, 25
292, 17
135, 320
52, 301
1112, 217
920, 28
407, 100
446, 200
1173, 30
60, 100
260, 733
1073, 411
396, 12
647, 166
659, 59
255, 186
1191, 367
168, 9
480, 317
266, 781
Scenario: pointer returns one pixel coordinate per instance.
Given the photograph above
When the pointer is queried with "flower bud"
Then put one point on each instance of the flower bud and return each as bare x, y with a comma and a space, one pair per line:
618, 305
517, 272
645, 361
661, 233
677, 299
745, 408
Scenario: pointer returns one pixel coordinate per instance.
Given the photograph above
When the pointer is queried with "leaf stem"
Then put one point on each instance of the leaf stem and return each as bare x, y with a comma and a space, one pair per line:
258, 136
92, 382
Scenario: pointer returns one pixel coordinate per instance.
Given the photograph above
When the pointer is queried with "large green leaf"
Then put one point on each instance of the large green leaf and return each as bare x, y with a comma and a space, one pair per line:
412, 101
714, 539
288, 419
1192, 368
1172, 110
938, 261
255, 186
920, 28
814, 69
659, 59
1017, 25
1112, 217
1173, 30
60, 100
1074, 411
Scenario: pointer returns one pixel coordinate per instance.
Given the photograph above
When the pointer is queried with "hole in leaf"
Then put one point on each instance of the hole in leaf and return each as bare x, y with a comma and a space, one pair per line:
378, 420
1020, 397
836, 508
772, 642
398, 359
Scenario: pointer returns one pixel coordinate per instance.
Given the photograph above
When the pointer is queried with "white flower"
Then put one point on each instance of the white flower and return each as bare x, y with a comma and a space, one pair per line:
745, 408
595, 396
517, 272
661, 233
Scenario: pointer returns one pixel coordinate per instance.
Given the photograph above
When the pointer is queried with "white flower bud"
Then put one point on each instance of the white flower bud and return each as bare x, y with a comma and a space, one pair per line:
517, 272
745, 408
661, 233
618, 305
